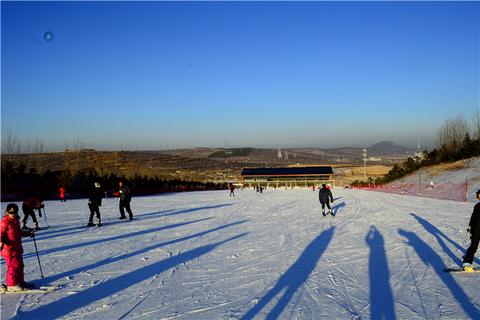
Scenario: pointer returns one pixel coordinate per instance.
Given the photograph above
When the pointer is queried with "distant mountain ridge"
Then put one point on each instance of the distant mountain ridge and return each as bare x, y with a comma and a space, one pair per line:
387, 148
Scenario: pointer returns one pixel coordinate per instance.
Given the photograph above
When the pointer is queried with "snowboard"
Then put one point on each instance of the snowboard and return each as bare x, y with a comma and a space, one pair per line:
42, 289
460, 270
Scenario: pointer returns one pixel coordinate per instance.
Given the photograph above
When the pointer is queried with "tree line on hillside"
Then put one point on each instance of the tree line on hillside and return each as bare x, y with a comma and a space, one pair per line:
457, 141
19, 182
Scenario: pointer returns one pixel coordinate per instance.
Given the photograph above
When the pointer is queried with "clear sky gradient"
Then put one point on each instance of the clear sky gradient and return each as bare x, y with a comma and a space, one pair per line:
156, 75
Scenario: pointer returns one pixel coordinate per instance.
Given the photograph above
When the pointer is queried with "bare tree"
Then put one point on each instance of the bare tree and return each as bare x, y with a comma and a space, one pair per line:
452, 133
476, 125
11, 144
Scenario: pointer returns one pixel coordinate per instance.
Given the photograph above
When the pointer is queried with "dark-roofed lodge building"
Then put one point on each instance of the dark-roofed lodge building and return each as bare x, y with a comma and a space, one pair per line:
288, 176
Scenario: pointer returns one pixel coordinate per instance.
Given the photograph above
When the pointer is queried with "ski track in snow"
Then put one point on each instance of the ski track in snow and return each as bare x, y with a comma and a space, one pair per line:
205, 255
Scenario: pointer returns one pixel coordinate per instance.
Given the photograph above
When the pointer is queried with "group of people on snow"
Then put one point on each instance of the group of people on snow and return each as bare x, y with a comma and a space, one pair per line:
12, 231
95, 202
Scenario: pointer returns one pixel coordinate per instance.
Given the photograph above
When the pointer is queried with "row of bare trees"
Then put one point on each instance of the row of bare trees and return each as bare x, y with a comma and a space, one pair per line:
453, 133
11, 144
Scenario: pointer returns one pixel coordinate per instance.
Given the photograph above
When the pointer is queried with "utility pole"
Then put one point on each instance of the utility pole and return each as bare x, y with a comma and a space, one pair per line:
420, 170
365, 164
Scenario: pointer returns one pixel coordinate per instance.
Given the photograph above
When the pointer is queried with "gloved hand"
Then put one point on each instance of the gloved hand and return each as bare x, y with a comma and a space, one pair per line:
469, 232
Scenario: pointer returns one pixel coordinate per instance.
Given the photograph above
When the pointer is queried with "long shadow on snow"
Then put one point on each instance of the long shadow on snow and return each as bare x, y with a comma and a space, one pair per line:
336, 208
295, 277
175, 212
44, 235
430, 257
103, 240
65, 305
381, 297
107, 261
52, 229
151, 215
439, 235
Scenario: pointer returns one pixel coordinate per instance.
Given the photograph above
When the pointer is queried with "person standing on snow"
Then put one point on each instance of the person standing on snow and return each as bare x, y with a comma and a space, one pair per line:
61, 194
325, 195
12, 250
232, 189
94, 204
124, 204
28, 207
473, 232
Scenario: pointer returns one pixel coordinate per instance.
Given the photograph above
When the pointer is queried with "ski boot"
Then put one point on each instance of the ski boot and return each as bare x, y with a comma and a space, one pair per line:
323, 213
24, 226
16, 288
90, 224
467, 267
99, 223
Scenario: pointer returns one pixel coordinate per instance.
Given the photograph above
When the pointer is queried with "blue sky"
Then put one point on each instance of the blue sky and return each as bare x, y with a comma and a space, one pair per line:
156, 75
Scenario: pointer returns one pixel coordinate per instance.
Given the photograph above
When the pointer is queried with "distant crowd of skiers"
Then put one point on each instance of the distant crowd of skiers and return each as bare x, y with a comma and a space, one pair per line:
11, 231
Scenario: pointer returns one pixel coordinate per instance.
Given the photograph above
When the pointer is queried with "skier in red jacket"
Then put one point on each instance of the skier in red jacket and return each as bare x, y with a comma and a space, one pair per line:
61, 194
12, 250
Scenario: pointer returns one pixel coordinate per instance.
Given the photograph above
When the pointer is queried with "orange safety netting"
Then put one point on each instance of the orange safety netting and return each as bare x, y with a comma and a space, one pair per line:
446, 190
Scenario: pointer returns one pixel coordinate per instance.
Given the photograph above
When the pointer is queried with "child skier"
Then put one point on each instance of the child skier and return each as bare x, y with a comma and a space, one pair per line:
324, 195
12, 250
473, 232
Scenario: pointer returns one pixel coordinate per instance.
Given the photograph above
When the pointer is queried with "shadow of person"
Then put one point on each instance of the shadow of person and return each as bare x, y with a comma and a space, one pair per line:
440, 236
65, 305
336, 208
111, 260
295, 276
381, 297
431, 258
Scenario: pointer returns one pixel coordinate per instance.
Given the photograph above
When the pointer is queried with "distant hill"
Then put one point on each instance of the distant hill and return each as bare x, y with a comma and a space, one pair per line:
387, 148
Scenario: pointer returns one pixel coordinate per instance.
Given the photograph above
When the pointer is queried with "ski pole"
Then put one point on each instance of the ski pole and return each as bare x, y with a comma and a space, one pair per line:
45, 216
38, 257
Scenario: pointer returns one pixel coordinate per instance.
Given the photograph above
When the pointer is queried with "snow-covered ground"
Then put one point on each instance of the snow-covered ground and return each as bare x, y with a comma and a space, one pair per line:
205, 255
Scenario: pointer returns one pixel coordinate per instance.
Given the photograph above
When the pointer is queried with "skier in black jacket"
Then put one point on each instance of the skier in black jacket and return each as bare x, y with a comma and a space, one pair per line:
325, 195
473, 232
124, 204
94, 203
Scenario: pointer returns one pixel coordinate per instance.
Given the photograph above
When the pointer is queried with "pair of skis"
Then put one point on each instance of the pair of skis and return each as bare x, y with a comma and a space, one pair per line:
42, 289
329, 212
460, 270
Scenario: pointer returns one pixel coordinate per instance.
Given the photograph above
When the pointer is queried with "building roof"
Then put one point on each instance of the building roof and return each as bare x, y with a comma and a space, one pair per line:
303, 171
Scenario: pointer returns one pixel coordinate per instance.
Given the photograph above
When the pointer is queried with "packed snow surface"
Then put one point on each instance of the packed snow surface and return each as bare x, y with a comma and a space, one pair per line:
205, 255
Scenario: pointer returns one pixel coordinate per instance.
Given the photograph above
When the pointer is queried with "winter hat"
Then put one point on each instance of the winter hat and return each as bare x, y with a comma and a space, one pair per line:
478, 192
12, 207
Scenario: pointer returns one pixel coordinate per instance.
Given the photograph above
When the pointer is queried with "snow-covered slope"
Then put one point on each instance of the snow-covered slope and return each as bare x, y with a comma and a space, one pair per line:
205, 255
454, 181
